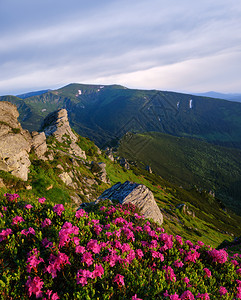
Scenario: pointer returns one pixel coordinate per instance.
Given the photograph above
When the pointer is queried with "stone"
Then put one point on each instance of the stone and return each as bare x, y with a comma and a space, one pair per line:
65, 178
57, 124
15, 143
124, 163
137, 194
103, 174
148, 169
39, 144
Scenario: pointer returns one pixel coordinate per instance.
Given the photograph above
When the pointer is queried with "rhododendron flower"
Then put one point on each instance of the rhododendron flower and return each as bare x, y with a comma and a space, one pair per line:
28, 231
17, 220
33, 260
4, 233
192, 256
4, 208
34, 286
203, 296
51, 296
81, 213
28, 206
179, 240
178, 264
56, 263
186, 279
174, 297
11, 197
82, 275
80, 249
41, 200
201, 244
98, 271
135, 297
93, 246
238, 271
139, 253
65, 233
187, 295
222, 290
87, 258
46, 243
238, 282
238, 295
46, 222
169, 274
119, 279
58, 209
208, 272
219, 256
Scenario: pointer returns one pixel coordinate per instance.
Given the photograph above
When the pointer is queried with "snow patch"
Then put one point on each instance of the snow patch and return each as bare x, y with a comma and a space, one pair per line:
80, 92
101, 87
190, 103
178, 104
44, 109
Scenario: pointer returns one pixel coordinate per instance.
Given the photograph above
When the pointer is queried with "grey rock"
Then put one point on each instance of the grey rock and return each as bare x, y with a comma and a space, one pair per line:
137, 194
65, 178
15, 143
103, 174
57, 124
124, 163
39, 144
148, 169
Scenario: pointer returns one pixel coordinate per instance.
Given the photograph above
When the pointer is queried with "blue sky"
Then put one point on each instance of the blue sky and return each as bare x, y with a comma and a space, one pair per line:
189, 46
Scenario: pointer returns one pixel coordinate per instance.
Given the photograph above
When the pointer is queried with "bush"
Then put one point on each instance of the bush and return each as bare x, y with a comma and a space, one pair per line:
113, 253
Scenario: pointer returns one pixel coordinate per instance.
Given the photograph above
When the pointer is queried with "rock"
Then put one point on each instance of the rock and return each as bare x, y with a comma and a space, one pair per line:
28, 187
76, 199
148, 169
39, 144
65, 178
57, 124
103, 174
137, 194
124, 163
49, 187
15, 143
2, 185
109, 154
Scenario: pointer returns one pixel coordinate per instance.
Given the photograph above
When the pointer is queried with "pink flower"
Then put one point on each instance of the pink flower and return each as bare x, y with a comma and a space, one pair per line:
222, 290
169, 275
87, 258
82, 275
34, 286
135, 297
28, 231
28, 206
17, 220
46, 222
201, 244
178, 264
52, 296
4, 233
219, 256
41, 200
11, 197
80, 249
93, 246
46, 243
174, 297
119, 279
33, 260
186, 280
187, 295
192, 256
139, 253
98, 271
81, 213
58, 209
56, 263
203, 296
208, 272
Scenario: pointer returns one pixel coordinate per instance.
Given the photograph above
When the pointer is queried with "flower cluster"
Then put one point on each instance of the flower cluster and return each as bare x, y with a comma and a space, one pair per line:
112, 253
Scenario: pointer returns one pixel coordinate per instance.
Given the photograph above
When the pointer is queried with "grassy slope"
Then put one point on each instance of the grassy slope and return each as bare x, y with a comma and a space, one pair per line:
188, 162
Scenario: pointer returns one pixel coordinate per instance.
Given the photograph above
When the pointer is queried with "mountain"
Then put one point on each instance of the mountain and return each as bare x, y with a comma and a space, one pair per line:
189, 163
105, 113
230, 97
30, 94
66, 168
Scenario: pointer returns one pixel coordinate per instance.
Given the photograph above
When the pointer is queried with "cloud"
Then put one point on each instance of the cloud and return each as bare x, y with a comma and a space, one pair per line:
53, 42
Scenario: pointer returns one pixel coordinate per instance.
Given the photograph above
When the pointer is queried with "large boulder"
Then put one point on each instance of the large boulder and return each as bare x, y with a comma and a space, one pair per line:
57, 124
39, 144
137, 194
15, 143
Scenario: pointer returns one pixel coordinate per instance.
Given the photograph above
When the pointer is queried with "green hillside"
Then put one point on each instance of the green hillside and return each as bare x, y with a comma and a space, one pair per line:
188, 162
106, 113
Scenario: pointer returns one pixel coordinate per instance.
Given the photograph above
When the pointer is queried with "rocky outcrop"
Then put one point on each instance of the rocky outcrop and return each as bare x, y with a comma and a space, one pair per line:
124, 163
57, 124
15, 143
137, 194
103, 174
39, 144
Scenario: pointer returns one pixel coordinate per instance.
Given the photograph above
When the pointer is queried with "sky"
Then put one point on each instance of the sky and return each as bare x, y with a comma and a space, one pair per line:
176, 45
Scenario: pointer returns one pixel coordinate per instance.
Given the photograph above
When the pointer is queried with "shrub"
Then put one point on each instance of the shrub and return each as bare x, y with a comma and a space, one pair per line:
114, 253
